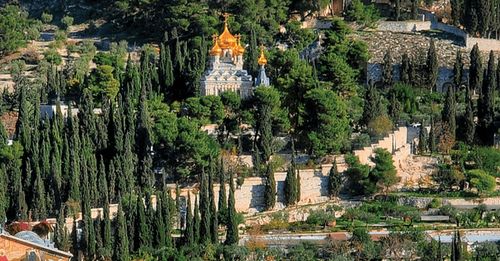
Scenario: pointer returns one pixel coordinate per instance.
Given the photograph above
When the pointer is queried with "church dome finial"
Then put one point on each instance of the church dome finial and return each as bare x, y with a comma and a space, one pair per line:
216, 50
262, 59
226, 39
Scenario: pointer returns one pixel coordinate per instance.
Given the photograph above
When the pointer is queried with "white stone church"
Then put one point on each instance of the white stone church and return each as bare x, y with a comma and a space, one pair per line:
225, 71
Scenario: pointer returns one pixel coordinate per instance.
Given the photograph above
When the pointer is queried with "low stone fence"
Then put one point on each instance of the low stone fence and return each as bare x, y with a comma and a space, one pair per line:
404, 26
483, 44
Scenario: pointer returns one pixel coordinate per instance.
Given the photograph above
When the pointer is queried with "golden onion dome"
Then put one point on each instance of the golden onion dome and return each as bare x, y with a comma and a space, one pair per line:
216, 50
226, 39
262, 59
238, 50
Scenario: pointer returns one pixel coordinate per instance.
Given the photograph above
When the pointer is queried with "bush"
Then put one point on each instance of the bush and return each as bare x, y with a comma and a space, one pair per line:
320, 217
46, 18
365, 15
380, 126
67, 21
31, 57
52, 56
435, 203
480, 180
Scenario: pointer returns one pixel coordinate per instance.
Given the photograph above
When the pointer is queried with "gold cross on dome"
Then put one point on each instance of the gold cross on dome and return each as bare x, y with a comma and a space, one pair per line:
226, 17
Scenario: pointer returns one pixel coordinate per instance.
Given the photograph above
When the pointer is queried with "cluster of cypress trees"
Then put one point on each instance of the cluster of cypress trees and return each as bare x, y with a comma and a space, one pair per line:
61, 164
480, 17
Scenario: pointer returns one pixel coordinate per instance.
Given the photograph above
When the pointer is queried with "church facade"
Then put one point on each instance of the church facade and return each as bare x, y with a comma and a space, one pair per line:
225, 71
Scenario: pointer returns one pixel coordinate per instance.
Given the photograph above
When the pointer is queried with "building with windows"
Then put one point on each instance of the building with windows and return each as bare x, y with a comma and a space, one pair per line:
27, 246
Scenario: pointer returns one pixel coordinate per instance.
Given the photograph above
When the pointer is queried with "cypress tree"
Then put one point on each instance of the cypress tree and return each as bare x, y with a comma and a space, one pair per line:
456, 11
167, 218
39, 206
222, 204
475, 69
4, 198
106, 233
264, 131
178, 204
405, 69
103, 184
56, 175
432, 137
214, 221
498, 67
334, 180
270, 192
422, 140
231, 225
432, 66
469, 127
166, 71
189, 229
144, 232
205, 208
372, 107
121, 241
290, 187
160, 236
98, 237
61, 239
485, 106
197, 223
387, 78
127, 166
458, 69
449, 111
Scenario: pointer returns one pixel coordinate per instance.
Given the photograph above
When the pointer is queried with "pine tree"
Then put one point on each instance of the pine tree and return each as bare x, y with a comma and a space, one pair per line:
475, 69
449, 111
405, 69
432, 66
458, 69
387, 69
232, 236
334, 181
290, 188
121, 250
485, 105
422, 140
270, 189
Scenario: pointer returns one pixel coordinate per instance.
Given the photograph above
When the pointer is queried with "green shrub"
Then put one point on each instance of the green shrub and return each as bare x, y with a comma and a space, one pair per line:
46, 18
480, 180
435, 203
320, 217
365, 15
53, 57
67, 21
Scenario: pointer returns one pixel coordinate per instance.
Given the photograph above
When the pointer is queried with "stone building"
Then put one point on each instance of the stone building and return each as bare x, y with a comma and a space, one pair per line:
225, 71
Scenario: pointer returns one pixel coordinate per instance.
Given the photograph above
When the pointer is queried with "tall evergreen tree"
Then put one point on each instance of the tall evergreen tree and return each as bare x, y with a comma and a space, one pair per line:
106, 233
458, 69
387, 70
334, 181
486, 105
61, 239
432, 66
214, 220
160, 231
290, 186
165, 69
222, 204
144, 232
469, 126
197, 223
270, 186
432, 137
121, 250
405, 69
189, 228
422, 139
39, 206
232, 236
205, 208
373, 105
475, 70
449, 111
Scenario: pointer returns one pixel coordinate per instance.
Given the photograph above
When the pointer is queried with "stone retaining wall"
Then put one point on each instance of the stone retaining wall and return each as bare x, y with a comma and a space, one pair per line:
404, 26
